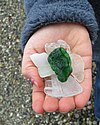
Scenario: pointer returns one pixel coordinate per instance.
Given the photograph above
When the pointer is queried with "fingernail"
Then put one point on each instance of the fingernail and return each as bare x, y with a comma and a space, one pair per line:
34, 82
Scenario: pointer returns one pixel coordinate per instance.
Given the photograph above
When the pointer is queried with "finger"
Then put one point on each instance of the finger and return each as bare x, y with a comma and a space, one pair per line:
28, 68
50, 104
82, 99
38, 89
66, 104
37, 101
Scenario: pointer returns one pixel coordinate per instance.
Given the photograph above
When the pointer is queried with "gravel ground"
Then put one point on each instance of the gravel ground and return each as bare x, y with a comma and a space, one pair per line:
15, 91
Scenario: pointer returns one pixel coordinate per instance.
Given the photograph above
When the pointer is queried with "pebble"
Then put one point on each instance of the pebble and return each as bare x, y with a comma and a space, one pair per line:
1, 98
94, 122
76, 115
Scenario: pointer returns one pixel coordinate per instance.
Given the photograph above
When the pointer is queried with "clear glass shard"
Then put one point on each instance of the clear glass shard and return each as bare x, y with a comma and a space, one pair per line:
41, 62
49, 47
63, 44
78, 67
57, 89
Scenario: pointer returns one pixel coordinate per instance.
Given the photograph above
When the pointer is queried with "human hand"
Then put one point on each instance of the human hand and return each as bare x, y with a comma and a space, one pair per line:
78, 39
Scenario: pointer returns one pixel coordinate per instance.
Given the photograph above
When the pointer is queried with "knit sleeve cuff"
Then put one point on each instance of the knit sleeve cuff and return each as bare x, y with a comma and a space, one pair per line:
73, 11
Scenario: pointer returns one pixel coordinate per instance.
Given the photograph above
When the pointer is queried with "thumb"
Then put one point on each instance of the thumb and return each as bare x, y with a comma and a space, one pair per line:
30, 71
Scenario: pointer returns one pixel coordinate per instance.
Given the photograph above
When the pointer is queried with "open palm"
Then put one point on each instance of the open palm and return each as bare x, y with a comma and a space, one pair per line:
78, 39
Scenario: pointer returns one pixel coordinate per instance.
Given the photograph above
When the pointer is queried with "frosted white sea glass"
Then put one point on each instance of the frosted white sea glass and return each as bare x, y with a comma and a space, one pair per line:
57, 89
40, 61
78, 67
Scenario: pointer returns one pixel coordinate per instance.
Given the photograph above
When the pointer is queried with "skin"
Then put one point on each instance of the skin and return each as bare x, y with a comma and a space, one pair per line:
78, 38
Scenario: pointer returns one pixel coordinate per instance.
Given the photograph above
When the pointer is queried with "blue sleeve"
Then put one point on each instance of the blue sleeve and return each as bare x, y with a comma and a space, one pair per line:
28, 5
40, 13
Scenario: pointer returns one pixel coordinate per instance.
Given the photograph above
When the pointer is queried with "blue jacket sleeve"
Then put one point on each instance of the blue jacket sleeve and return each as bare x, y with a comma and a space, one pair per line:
43, 12
28, 5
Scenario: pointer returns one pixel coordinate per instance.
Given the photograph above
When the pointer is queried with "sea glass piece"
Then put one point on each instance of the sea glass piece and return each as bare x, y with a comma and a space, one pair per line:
41, 62
60, 63
63, 44
56, 89
49, 47
78, 67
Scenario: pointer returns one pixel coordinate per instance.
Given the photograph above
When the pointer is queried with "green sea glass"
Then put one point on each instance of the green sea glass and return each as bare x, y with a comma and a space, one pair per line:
60, 63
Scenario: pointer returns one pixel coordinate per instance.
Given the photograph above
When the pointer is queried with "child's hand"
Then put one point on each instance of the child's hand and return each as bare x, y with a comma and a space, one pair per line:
78, 38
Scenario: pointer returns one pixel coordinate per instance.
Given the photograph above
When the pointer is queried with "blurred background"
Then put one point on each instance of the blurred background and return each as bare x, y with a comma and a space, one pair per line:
15, 91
